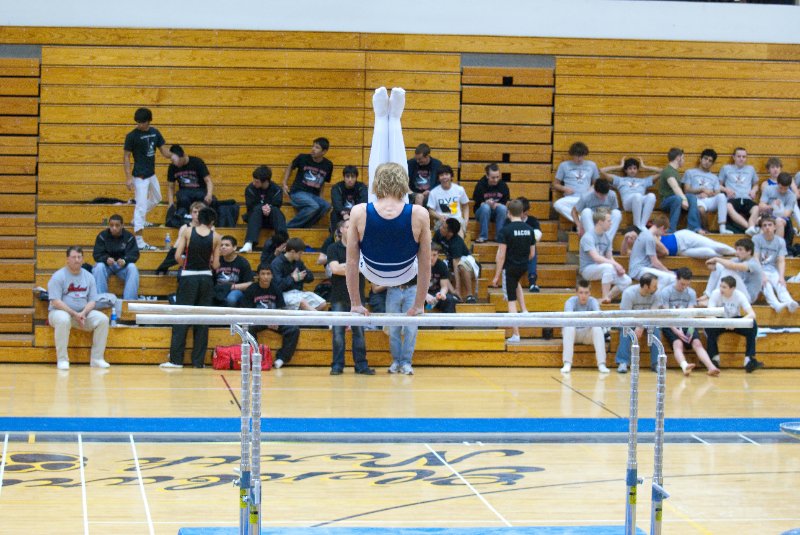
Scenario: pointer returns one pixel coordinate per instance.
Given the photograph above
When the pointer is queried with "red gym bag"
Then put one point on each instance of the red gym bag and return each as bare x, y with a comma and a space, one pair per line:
230, 357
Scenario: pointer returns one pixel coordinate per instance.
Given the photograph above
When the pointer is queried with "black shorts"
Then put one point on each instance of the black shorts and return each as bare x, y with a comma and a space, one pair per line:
513, 274
671, 337
742, 206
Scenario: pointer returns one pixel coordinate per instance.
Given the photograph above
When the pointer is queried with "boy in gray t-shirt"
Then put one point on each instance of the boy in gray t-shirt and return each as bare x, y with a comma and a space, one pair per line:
770, 250
743, 267
644, 257
72, 294
740, 184
600, 196
780, 201
640, 296
573, 178
596, 262
582, 302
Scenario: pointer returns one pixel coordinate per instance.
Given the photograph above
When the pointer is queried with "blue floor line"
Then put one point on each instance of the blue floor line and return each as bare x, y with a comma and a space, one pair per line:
389, 425
517, 530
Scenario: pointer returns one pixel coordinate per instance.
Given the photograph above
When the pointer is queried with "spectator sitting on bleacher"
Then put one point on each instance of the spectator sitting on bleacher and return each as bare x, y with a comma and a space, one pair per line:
266, 295
600, 196
141, 143
740, 184
536, 227
673, 199
775, 168
680, 294
441, 294
515, 249
463, 265
290, 273
705, 185
313, 170
744, 267
233, 275
780, 201
72, 293
640, 296
770, 250
573, 179
115, 253
596, 261
340, 302
644, 256
423, 173
582, 301
491, 195
346, 194
633, 190
263, 200
681, 243
193, 179
448, 200
734, 302
274, 246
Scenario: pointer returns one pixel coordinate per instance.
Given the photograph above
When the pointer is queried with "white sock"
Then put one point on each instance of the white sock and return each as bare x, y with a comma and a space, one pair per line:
722, 227
746, 360
684, 364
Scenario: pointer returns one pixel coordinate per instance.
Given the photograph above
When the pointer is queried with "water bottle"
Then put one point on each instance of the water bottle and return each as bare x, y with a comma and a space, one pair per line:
168, 241
113, 316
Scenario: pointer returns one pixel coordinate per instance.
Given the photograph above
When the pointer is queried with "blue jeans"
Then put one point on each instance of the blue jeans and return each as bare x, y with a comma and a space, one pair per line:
359, 346
129, 274
310, 209
484, 214
624, 349
399, 301
672, 204
233, 298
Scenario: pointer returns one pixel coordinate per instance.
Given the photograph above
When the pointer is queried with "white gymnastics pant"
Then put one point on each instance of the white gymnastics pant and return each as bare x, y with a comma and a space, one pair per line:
777, 295
718, 203
584, 335
565, 204
387, 136
588, 222
606, 274
147, 195
696, 245
641, 207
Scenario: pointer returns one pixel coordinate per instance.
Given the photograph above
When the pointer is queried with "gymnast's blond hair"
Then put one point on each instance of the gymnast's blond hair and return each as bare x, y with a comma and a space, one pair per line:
391, 180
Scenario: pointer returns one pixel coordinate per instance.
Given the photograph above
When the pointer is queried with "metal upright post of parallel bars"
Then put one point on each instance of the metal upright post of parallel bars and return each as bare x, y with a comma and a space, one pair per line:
631, 476
659, 494
250, 464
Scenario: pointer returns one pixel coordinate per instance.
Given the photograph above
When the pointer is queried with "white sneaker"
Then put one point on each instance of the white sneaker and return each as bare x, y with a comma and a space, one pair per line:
796, 278
513, 339
566, 368
407, 369
622, 368
752, 231
602, 368
394, 368
725, 231
246, 248
170, 365
278, 364
99, 364
63, 365
146, 247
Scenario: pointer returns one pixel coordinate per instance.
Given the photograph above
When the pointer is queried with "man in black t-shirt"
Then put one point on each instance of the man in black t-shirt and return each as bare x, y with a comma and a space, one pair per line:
313, 170
193, 179
463, 265
441, 294
265, 295
532, 222
340, 302
423, 170
233, 275
141, 144
263, 199
346, 194
517, 247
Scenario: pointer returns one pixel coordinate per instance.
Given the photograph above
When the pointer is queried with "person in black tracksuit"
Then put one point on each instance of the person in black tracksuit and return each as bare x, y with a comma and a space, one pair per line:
263, 199
346, 194
115, 253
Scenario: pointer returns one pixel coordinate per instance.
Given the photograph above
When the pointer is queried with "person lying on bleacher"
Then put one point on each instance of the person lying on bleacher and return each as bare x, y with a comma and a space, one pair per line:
491, 196
313, 170
115, 253
600, 196
441, 294
596, 261
263, 200
264, 294
735, 303
573, 179
640, 296
233, 276
290, 273
780, 202
536, 227
633, 190
740, 184
582, 301
463, 265
744, 267
423, 173
682, 243
770, 250
448, 200
193, 179
644, 256
680, 294
346, 194
673, 198
705, 185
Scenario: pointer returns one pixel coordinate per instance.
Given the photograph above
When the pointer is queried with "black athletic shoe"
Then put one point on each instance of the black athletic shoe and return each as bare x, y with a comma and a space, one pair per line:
471, 299
365, 371
753, 365
715, 360
336, 371
534, 289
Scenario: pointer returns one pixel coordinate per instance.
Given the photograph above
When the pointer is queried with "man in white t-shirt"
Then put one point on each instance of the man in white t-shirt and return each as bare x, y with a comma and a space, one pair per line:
735, 302
582, 301
448, 200
573, 179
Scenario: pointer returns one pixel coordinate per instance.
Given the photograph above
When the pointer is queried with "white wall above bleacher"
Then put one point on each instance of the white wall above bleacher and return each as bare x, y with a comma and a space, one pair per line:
628, 19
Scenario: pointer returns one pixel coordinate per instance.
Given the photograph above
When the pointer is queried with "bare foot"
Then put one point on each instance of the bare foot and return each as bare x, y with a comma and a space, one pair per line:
688, 371
713, 372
